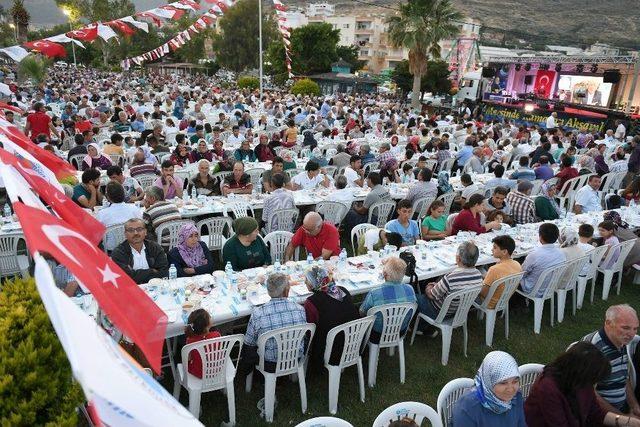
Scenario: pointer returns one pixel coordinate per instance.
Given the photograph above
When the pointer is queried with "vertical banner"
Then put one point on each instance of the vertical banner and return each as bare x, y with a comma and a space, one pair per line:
544, 83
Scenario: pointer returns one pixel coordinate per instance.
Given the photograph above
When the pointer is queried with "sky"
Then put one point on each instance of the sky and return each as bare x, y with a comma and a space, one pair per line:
45, 13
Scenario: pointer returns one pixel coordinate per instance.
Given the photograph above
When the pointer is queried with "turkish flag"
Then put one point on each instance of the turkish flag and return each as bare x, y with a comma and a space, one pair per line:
122, 27
55, 164
544, 83
66, 208
5, 106
192, 4
126, 305
177, 13
87, 34
47, 48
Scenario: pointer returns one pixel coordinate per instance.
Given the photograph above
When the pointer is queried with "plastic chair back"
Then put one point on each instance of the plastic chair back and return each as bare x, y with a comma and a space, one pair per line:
9, 265
289, 341
572, 271
393, 318
325, 422
416, 411
548, 281
462, 300
509, 284
334, 212
381, 210
239, 208
256, 175
217, 365
216, 231
146, 180
356, 335
420, 207
447, 199
167, 233
283, 220
277, 242
449, 395
113, 236
358, 233
528, 375
76, 160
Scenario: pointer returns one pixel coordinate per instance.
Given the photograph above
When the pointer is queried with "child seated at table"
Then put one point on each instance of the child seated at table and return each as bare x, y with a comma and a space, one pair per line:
434, 225
198, 329
607, 230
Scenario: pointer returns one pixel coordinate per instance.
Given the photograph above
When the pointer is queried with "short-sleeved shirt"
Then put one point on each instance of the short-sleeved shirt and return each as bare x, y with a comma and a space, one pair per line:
589, 199
39, 123
171, 190
436, 224
409, 234
388, 293
613, 388
328, 238
130, 188
457, 280
352, 176
377, 194
303, 180
79, 191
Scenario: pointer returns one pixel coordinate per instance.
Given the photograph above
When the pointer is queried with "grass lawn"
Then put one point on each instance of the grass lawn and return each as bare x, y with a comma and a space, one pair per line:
425, 375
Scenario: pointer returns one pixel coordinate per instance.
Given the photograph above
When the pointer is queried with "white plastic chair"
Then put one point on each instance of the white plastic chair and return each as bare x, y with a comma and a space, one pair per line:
113, 236
416, 411
117, 159
381, 210
76, 160
288, 341
240, 209
356, 335
277, 242
358, 233
528, 375
10, 262
392, 335
447, 199
509, 284
625, 248
334, 212
595, 255
449, 395
420, 207
284, 219
325, 422
464, 298
146, 180
215, 231
568, 283
167, 233
450, 219
549, 278
220, 176
256, 175
218, 372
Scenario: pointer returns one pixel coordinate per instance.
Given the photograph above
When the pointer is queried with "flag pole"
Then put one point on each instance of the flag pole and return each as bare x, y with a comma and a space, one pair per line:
260, 44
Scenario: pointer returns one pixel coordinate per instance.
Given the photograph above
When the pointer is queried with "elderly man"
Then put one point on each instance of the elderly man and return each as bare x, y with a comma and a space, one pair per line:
158, 210
392, 291
542, 257
279, 312
521, 204
365, 154
588, 198
475, 162
122, 124
280, 198
319, 238
141, 259
424, 187
238, 182
354, 172
615, 393
385, 154
464, 276
342, 158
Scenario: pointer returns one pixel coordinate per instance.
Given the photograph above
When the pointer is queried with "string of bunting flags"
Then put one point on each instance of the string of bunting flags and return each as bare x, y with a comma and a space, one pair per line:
127, 26
205, 20
285, 30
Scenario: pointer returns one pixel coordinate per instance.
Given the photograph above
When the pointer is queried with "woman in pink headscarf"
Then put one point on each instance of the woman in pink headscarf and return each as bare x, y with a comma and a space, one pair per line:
95, 159
191, 256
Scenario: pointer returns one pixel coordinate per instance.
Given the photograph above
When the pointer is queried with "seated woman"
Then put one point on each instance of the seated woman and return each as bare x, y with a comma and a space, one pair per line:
632, 191
469, 217
546, 206
434, 225
318, 157
191, 256
390, 170
495, 400
199, 328
245, 250
329, 306
95, 159
203, 182
564, 394
202, 152
607, 231
245, 153
180, 156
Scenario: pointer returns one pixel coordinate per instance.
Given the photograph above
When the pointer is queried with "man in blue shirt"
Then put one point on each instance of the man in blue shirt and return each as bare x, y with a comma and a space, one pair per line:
544, 171
404, 225
499, 181
465, 153
544, 256
524, 171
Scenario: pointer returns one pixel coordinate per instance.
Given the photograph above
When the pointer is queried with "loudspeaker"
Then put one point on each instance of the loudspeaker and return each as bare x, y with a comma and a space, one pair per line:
488, 72
611, 76
528, 79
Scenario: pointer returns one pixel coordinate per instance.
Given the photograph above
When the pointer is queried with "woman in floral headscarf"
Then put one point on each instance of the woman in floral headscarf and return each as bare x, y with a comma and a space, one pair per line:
191, 256
623, 233
329, 306
390, 170
496, 399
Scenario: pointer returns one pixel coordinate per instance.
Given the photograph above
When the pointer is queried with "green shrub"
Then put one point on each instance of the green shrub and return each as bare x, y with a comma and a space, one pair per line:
305, 87
248, 82
36, 386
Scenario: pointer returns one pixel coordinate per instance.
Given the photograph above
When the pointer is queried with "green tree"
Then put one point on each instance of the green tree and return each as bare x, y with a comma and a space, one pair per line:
36, 386
33, 67
418, 27
194, 49
350, 55
435, 81
20, 18
236, 45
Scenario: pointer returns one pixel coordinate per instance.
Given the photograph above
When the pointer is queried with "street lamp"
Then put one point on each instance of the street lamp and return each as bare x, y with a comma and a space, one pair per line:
67, 12
15, 31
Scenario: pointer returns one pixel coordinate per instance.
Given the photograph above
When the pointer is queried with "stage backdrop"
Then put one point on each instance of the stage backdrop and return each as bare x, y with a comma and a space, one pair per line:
539, 117
544, 83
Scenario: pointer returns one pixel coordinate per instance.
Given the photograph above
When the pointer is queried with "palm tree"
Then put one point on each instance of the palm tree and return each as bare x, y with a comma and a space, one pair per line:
419, 26
21, 19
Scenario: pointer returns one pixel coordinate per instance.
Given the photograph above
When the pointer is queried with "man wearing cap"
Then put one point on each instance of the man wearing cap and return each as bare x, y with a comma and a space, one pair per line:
244, 250
522, 207
320, 238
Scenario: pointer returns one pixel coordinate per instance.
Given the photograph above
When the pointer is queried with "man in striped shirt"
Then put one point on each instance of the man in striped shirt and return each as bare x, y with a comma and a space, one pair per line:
466, 275
615, 394
158, 210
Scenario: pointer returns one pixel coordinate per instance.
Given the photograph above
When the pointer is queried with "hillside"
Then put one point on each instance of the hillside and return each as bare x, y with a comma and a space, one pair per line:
558, 22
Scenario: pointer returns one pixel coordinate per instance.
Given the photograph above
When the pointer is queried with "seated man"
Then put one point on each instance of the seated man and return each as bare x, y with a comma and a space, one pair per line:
276, 167
424, 187
544, 171
497, 201
499, 181
140, 258
319, 238
503, 247
132, 189
392, 291
522, 208
615, 393
279, 198
404, 225
354, 173
541, 258
279, 312
588, 198
359, 212
469, 188
87, 194
524, 171
158, 210
119, 211
465, 275
238, 182
310, 178
343, 193
170, 185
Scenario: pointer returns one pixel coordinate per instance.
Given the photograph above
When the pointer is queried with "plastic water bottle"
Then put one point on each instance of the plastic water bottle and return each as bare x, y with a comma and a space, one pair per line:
309, 259
632, 206
7, 213
228, 270
276, 265
343, 258
173, 275
185, 197
259, 187
194, 193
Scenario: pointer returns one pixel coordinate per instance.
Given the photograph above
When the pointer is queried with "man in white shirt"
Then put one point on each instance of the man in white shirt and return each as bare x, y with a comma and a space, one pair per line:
310, 178
588, 198
551, 121
236, 138
118, 213
621, 131
354, 172
621, 164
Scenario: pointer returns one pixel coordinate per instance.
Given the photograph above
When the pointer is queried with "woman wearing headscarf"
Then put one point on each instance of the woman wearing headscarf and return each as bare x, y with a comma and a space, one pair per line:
586, 164
443, 183
244, 250
546, 206
329, 306
263, 151
316, 156
623, 233
95, 159
568, 240
180, 156
389, 170
601, 166
495, 400
191, 256
202, 152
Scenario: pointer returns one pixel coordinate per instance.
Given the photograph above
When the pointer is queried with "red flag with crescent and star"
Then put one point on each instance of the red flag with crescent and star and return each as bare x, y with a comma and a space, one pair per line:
544, 83
126, 305
47, 48
86, 34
